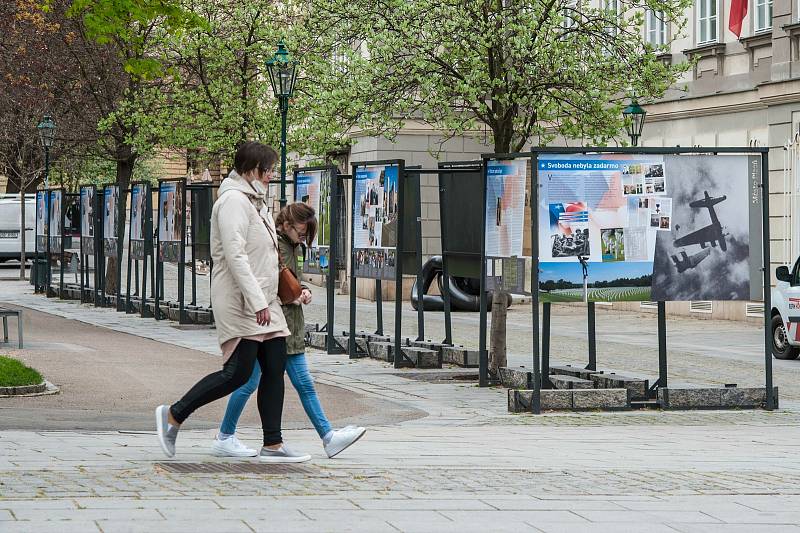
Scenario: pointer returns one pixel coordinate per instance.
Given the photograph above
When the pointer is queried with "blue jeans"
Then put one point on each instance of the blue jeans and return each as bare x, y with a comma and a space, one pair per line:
301, 379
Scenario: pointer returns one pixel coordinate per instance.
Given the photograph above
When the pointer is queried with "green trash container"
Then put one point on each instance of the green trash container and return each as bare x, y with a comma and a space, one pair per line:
39, 272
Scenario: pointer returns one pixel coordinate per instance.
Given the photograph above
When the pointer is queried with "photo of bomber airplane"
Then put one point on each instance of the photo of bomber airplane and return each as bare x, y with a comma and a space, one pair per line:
710, 235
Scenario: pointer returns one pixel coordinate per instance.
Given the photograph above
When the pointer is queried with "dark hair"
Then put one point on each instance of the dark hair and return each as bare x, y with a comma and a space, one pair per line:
252, 155
299, 213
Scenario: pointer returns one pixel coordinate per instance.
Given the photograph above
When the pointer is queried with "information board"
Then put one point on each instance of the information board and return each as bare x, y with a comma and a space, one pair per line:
313, 188
170, 221
375, 220
55, 222
508, 209
42, 220
649, 227
87, 219
110, 219
138, 223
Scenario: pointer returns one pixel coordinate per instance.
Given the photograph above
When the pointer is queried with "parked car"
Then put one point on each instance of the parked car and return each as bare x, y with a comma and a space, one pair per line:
10, 242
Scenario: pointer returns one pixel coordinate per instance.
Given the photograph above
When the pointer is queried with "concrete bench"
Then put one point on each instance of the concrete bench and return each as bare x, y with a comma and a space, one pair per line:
5, 313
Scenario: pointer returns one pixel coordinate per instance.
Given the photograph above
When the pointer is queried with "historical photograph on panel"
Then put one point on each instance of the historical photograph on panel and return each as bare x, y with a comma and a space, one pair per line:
170, 221
110, 220
41, 220
569, 229
56, 205
138, 220
703, 251
87, 220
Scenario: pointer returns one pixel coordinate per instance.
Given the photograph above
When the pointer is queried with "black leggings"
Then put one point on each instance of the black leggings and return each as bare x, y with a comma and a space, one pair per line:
271, 355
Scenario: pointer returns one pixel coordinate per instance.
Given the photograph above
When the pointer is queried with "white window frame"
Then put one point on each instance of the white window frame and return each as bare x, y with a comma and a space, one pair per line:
657, 36
763, 15
709, 22
614, 6
569, 7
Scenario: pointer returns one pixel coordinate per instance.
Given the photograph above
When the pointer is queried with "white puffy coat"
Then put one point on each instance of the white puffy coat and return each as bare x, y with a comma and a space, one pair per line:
245, 274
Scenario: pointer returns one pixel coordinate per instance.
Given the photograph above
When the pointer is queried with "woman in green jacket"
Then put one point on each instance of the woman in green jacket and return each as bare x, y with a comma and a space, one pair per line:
296, 223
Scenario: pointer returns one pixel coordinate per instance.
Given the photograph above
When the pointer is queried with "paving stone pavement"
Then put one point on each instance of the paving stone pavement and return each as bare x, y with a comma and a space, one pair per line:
467, 466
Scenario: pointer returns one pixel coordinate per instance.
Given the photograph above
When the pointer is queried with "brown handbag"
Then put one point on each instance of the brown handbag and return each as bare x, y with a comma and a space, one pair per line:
289, 289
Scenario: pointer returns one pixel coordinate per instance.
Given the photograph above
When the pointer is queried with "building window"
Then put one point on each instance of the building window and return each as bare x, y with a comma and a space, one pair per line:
614, 10
763, 15
570, 14
656, 28
706, 21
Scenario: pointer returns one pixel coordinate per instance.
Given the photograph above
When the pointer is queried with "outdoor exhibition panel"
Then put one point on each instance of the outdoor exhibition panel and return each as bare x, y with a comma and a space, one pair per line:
200, 201
140, 247
171, 231
71, 234
55, 240
377, 238
639, 224
42, 242
91, 236
459, 201
317, 187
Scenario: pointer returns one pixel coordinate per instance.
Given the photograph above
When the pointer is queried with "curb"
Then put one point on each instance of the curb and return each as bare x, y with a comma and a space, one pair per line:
44, 388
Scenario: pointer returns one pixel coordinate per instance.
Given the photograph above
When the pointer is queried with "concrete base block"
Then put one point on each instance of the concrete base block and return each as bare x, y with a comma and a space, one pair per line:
562, 381
460, 356
423, 358
515, 378
382, 350
317, 339
714, 398
637, 386
604, 399
379, 338
362, 344
575, 371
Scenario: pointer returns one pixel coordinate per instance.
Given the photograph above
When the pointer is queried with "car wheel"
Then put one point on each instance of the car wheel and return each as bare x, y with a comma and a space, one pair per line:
781, 348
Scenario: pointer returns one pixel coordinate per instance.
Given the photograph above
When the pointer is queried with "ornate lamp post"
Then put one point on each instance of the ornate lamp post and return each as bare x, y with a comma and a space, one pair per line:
282, 75
47, 134
635, 116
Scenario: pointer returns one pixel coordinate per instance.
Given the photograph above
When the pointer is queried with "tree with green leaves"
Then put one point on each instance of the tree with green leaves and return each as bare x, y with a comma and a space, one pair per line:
529, 70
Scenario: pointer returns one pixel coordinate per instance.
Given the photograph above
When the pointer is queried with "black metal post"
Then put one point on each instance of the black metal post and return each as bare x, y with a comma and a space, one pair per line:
399, 356
47, 248
128, 307
771, 404
159, 265
351, 339
379, 306
418, 254
61, 250
284, 105
546, 308
483, 355
590, 311
182, 259
333, 250
121, 201
148, 246
448, 325
662, 345
536, 400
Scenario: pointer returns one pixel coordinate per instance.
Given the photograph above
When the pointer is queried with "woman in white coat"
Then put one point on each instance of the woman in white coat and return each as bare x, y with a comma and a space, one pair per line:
247, 311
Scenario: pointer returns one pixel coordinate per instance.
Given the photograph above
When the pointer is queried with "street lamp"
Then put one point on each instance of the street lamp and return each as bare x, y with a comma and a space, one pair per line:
282, 75
635, 116
47, 134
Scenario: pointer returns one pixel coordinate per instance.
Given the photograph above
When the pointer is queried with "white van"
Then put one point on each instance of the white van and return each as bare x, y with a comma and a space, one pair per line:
10, 242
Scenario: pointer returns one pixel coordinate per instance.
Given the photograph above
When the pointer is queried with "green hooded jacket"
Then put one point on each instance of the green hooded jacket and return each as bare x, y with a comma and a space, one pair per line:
296, 342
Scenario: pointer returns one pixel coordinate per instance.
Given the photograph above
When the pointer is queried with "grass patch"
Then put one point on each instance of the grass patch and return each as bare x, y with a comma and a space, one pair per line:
15, 374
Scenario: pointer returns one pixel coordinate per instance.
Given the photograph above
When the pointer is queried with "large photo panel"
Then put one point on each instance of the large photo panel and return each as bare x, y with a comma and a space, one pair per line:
55, 215
138, 220
87, 219
313, 188
508, 210
170, 213
619, 227
110, 219
376, 219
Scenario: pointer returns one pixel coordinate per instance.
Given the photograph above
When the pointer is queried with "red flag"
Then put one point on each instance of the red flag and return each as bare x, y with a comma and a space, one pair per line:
738, 13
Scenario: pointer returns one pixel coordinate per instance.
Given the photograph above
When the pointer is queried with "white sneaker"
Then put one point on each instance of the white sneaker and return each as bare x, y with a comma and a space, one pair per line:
341, 439
231, 447
282, 455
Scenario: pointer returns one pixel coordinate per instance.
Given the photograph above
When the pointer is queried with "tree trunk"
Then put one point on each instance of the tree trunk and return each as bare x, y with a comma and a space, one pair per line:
22, 227
497, 356
497, 336
126, 159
